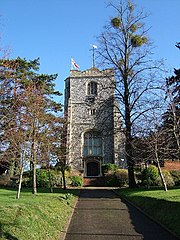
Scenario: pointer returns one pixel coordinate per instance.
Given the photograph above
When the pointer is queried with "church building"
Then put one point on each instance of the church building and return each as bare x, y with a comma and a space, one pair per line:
94, 135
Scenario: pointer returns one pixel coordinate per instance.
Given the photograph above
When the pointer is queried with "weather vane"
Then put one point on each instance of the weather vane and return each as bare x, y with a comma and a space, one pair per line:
93, 56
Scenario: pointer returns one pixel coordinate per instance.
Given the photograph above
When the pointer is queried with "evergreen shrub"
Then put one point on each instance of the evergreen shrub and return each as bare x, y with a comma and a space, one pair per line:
109, 168
112, 180
122, 176
76, 181
149, 176
176, 177
43, 177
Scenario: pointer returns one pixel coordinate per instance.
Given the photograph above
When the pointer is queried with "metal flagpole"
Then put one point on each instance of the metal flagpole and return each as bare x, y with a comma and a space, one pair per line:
93, 61
93, 54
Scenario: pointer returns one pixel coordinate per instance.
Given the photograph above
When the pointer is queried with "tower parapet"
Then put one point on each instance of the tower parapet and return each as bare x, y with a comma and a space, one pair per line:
92, 72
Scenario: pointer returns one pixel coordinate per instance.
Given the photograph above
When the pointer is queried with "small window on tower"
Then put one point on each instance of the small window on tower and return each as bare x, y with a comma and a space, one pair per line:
92, 88
92, 112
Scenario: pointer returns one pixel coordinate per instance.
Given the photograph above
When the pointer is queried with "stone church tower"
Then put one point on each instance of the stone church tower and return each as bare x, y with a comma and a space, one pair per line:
93, 131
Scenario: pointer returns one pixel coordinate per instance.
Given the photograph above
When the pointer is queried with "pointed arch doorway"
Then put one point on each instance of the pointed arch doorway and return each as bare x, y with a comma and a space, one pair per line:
92, 169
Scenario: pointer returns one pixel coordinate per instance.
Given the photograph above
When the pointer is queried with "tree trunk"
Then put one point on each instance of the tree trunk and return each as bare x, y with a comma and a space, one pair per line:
34, 188
20, 183
159, 168
130, 163
162, 177
175, 124
50, 180
128, 149
176, 134
64, 179
34, 158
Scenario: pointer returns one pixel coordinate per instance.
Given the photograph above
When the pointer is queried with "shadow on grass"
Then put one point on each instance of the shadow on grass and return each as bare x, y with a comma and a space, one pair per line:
6, 234
165, 212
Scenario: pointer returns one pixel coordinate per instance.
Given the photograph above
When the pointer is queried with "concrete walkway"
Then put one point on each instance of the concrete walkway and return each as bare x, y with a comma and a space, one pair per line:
101, 215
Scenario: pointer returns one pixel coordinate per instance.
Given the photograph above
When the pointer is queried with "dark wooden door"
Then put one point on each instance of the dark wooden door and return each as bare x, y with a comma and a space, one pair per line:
92, 169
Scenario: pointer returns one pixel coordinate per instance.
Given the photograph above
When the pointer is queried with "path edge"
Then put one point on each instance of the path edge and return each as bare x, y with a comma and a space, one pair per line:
63, 233
146, 214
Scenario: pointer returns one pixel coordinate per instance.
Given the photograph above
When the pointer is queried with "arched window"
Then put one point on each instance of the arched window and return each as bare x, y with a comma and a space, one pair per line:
92, 144
92, 88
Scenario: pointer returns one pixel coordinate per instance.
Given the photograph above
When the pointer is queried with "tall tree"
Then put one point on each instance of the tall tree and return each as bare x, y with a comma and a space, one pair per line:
7, 106
125, 48
31, 97
151, 147
59, 150
172, 115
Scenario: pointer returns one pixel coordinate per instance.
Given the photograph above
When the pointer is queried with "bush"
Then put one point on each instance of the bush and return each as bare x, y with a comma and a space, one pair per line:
43, 178
26, 182
112, 180
122, 176
109, 168
176, 177
167, 177
149, 175
5, 181
76, 181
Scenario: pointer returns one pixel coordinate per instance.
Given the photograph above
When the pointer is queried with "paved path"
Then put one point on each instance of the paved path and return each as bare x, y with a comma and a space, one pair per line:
101, 215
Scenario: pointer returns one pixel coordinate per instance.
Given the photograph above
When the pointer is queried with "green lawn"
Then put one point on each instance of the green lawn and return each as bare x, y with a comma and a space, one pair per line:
40, 216
162, 206
45, 215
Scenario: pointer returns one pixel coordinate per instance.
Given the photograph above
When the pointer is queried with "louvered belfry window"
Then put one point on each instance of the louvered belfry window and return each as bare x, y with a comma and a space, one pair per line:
92, 88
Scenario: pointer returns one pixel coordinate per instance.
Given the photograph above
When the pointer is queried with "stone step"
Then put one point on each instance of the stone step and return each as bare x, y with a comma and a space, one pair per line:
94, 182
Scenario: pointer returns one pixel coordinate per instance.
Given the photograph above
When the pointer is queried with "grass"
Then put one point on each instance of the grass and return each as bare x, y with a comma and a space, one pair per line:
45, 215
160, 205
41, 216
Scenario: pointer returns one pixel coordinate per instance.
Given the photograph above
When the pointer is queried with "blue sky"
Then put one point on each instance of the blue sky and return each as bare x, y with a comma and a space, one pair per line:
56, 30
